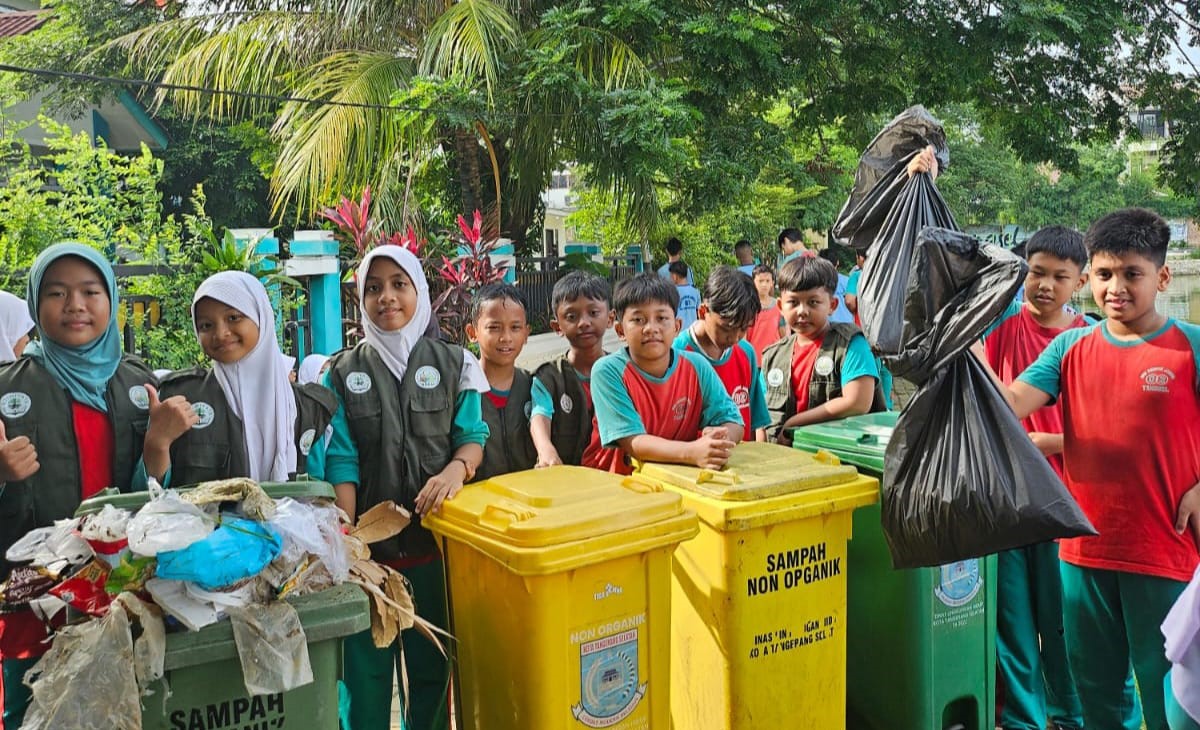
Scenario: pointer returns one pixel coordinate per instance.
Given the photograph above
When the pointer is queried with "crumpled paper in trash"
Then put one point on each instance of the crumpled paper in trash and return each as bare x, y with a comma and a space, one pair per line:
255, 503
272, 647
95, 674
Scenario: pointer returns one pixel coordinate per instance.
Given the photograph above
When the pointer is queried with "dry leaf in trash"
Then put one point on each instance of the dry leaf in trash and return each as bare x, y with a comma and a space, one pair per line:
384, 520
256, 504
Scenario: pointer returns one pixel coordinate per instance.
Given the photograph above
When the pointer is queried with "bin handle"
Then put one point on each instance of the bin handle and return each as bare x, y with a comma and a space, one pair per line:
725, 476
641, 484
827, 457
501, 515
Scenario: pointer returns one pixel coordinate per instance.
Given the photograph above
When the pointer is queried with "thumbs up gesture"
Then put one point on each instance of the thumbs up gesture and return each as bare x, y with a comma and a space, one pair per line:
169, 419
18, 458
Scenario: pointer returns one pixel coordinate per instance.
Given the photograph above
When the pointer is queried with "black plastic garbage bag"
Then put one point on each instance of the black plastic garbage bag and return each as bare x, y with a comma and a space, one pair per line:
881, 174
962, 479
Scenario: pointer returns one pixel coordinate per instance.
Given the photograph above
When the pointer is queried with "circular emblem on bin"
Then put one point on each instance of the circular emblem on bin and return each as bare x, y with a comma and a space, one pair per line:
14, 405
139, 397
775, 378
358, 382
824, 365
959, 583
206, 414
427, 377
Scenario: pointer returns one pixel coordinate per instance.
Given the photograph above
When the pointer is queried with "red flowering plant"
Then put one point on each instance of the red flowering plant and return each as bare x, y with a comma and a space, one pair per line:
464, 274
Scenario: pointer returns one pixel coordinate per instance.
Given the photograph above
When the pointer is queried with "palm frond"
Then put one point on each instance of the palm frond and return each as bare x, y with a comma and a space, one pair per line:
469, 40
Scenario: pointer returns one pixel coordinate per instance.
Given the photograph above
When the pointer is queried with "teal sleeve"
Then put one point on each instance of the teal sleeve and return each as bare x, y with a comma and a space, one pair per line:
468, 426
1045, 373
141, 478
341, 455
852, 282
682, 340
859, 360
543, 402
1192, 333
1013, 309
759, 416
719, 408
314, 464
615, 415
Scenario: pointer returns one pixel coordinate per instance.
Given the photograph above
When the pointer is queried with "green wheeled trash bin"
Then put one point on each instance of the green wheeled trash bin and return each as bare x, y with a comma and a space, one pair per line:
921, 644
202, 686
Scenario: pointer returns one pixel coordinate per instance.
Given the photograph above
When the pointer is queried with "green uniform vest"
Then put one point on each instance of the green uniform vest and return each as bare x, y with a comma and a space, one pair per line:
215, 448
823, 387
400, 428
33, 404
571, 426
510, 444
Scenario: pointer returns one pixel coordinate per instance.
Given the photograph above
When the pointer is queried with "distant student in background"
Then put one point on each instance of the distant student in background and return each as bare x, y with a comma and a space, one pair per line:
791, 245
852, 280
840, 313
563, 421
729, 306
15, 326
689, 296
312, 368
768, 327
500, 328
745, 257
674, 254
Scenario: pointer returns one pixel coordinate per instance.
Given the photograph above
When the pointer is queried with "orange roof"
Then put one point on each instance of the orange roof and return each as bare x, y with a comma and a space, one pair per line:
19, 23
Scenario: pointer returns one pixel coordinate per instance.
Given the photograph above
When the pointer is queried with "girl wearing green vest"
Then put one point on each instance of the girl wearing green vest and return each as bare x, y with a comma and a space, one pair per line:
409, 428
252, 422
75, 416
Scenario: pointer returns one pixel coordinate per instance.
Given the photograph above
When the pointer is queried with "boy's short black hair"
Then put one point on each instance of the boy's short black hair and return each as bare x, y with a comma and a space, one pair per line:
678, 268
829, 255
1131, 230
497, 292
740, 245
730, 294
788, 234
643, 288
1060, 242
579, 284
764, 269
674, 246
808, 272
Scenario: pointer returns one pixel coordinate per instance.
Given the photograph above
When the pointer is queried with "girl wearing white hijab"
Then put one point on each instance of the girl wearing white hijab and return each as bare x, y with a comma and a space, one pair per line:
15, 326
312, 368
410, 429
253, 422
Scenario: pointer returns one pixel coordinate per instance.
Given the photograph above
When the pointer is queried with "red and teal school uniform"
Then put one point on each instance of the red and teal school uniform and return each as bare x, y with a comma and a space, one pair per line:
1131, 428
738, 370
631, 402
1031, 651
764, 332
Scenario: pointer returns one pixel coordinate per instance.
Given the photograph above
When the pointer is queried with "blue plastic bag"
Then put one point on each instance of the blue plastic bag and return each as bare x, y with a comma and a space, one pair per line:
236, 550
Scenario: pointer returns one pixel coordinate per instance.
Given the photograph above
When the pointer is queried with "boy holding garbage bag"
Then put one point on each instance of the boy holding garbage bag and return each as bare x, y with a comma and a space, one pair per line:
1131, 458
1031, 652
408, 428
75, 416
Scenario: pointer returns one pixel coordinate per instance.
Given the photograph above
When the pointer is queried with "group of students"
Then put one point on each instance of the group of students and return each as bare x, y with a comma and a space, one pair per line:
407, 417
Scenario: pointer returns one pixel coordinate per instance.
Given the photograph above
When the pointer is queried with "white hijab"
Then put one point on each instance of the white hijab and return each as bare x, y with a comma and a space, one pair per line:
310, 368
257, 386
15, 323
395, 347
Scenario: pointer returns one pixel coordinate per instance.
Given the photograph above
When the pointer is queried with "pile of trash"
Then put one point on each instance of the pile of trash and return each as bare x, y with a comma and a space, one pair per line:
183, 561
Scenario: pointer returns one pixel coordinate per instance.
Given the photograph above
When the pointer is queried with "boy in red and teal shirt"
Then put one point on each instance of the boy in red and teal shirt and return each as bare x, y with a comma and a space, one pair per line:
727, 310
655, 403
1031, 652
1131, 458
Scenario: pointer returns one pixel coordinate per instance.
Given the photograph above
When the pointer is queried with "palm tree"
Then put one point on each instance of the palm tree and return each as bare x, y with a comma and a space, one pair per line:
501, 91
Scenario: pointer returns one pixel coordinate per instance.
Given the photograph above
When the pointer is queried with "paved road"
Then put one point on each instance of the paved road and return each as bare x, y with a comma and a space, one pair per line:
547, 347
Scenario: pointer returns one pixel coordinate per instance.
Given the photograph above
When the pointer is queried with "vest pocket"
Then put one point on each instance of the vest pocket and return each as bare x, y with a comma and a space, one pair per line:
201, 463
431, 415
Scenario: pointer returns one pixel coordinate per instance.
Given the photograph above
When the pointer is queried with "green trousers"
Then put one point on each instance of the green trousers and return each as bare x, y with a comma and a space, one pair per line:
1112, 620
1031, 650
370, 672
16, 694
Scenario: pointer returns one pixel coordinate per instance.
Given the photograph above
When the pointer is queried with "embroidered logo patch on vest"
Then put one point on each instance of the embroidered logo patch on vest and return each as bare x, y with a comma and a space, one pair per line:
427, 377
824, 365
306, 441
139, 397
567, 404
529, 410
14, 405
358, 382
206, 414
775, 378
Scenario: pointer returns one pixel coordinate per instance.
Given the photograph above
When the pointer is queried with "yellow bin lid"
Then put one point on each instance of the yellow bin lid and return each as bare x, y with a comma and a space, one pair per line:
548, 520
765, 484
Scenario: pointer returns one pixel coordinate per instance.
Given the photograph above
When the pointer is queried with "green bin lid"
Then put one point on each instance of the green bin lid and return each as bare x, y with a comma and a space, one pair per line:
858, 440
133, 501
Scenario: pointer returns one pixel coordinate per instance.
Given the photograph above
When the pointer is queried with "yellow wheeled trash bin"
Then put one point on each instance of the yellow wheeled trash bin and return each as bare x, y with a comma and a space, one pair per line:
558, 581
758, 600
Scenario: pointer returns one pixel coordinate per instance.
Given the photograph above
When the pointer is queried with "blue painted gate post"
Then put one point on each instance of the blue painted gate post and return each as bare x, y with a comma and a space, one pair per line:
315, 256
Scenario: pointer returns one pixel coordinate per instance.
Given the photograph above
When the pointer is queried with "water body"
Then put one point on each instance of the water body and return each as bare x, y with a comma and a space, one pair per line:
1181, 300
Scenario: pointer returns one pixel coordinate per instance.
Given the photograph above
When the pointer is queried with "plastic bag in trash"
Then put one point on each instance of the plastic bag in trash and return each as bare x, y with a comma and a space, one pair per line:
54, 547
166, 523
272, 647
962, 479
94, 675
104, 532
172, 597
315, 530
882, 172
236, 550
